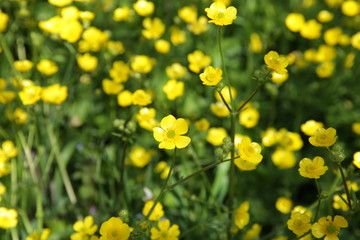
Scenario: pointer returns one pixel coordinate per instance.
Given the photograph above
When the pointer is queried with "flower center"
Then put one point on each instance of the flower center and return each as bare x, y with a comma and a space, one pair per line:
171, 134
114, 233
331, 229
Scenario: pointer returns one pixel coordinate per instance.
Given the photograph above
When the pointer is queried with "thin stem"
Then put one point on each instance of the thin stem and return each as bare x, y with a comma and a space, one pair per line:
348, 202
224, 101
232, 176
319, 200
163, 189
122, 171
258, 87
8, 54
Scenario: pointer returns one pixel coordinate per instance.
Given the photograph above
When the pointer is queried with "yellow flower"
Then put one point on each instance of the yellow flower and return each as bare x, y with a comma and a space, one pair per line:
8, 217
30, 95
249, 154
177, 36
253, 232
219, 109
310, 126
156, 214
325, 16
162, 46
299, 223
169, 133
111, 87
283, 158
356, 127
349, 60
312, 168
323, 137
338, 202
114, 229
93, 39
84, 228
279, 78
87, 62
220, 14
242, 216
154, 28
249, 117
355, 40
165, 231
197, 60
36, 236
199, 26
350, 8
54, 94
23, 66
9, 149
20, 116
295, 21
60, 3
276, 62
139, 157
290, 141
70, 30
188, 14
176, 71
325, 226
144, 8
142, 64
215, 136
122, 14
125, 98
284, 205
120, 71
115, 47
70, 12
255, 43
211, 76
86, 15
141, 98
311, 29
47, 67
4, 19
202, 125
173, 89
268, 137
7, 96
325, 69
356, 160
146, 118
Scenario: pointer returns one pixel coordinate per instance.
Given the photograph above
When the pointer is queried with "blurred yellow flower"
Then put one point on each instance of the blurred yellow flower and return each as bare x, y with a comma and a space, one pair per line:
120, 71
156, 214
54, 94
311, 29
249, 154
197, 61
141, 98
299, 223
355, 40
116, 47
199, 26
23, 65
268, 137
4, 19
323, 137
338, 202
255, 43
276, 62
295, 21
219, 109
86, 15
215, 136
93, 39
30, 95
325, 16
283, 158
289, 140
220, 14
176, 71
253, 232
142, 64
356, 127
7, 96
70, 12
356, 160
226, 94
325, 69
139, 156
122, 14
177, 36
60, 3
310, 126
47, 67
165, 231
153, 28
87, 62
162, 46
8, 217
143, 7
20, 116
70, 30
9, 149
350, 8
188, 14
173, 89
170, 131
328, 227
146, 118
114, 228
242, 216
249, 117
111, 87
312, 168
125, 98
84, 228
43, 236
332, 36
211, 76
202, 124
349, 60
279, 78
284, 205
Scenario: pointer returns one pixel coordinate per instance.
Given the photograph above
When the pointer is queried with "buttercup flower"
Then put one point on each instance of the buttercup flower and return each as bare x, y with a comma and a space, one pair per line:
328, 227
173, 89
111, 87
197, 60
153, 28
141, 98
114, 229
299, 223
87, 62
188, 14
54, 94
215, 136
253, 232
84, 228
165, 231
339, 203
30, 95
220, 14
323, 137
47, 67
249, 117
9, 149
312, 168
156, 214
311, 29
242, 216
8, 217
276, 62
350, 8
23, 66
122, 14
310, 126
283, 158
4, 19
211, 76
177, 36
144, 8
139, 156
44, 235
169, 133
142, 64
294, 21
60, 3
250, 154
162, 46
284, 205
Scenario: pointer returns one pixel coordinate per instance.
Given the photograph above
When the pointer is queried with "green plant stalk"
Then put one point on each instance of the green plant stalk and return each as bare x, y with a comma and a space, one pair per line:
348, 202
319, 200
224, 101
122, 172
163, 189
258, 87
8, 54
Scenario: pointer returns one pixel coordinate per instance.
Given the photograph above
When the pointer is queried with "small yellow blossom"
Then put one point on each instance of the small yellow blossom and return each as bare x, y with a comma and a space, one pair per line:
255, 43
325, 16
153, 28
323, 137
4, 19
120, 71
283, 158
338, 202
356, 127
122, 14
87, 62
141, 98
30, 95
173, 89
165, 231
54, 94
199, 26
268, 137
226, 92
211, 76
276, 62
249, 154
219, 109
299, 223
84, 228
47, 67
295, 21
350, 8
36, 236
23, 66
156, 214
60, 3
349, 62
144, 8
115, 47
310, 126
142, 64
312, 168
9, 149
325, 69
355, 40
162, 46
215, 136
146, 118
253, 232
220, 14
19, 116
176, 71
70, 30
7, 96
93, 39
8, 217
290, 141
284, 205
328, 227
311, 29
125, 98
188, 14
86, 15
114, 228
70, 12
242, 216
249, 117
111, 87
169, 133
202, 124
197, 61
279, 78
356, 160
139, 156
177, 36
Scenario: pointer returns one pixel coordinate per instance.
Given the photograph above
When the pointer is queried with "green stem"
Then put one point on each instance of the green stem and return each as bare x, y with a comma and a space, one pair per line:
163, 189
224, 101
232, 176
122, 172
348, 202
258, 87
8, 54
319, 200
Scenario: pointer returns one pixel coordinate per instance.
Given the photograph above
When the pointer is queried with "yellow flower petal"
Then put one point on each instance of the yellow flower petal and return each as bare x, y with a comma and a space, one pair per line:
181, 126
167, 145
182, 141
158, 134
340, 221
167, 122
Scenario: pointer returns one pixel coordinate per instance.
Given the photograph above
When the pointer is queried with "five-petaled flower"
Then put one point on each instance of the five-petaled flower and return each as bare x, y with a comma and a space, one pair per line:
169, 133
220, 14
165, 231
312, 168
326, 226
211, 76
276, 62
299, 223
323, 137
